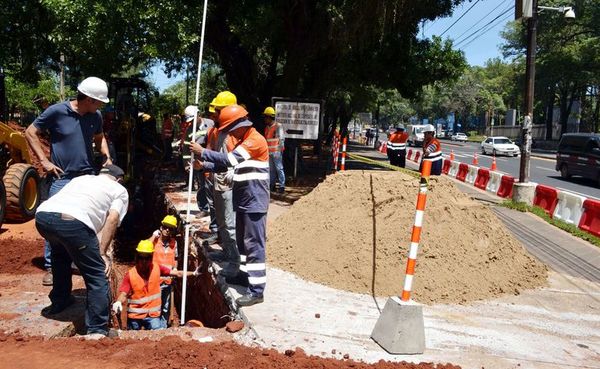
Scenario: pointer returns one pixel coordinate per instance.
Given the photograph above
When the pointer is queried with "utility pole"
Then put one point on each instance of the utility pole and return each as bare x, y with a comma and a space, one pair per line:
529, 93
62, 77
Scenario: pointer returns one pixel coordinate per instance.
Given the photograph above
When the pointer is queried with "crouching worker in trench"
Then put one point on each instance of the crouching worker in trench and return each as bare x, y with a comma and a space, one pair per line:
140, 289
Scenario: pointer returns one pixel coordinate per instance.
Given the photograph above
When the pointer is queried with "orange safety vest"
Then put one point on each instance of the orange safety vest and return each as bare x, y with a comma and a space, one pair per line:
145, 300
164, 256
433, 155
272, 138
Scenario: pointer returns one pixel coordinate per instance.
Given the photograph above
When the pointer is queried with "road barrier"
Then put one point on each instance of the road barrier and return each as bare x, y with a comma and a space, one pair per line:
409, 154
335, 151
417, 156
446, 166
383, 147
569, 207
590, 219
483, 177
472, 174
494, 182
546, 197
453, 168
463, 169
506, 187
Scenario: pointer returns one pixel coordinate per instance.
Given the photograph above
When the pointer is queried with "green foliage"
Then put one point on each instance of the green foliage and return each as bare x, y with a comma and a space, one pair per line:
570, 228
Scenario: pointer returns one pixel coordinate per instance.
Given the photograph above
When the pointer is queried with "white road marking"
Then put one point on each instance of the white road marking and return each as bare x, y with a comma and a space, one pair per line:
579, 193
548, 169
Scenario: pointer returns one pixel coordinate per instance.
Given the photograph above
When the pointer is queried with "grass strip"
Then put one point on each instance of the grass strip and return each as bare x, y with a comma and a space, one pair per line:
567, 227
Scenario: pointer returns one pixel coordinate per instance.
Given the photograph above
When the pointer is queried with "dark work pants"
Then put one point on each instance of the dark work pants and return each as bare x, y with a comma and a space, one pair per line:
250, 236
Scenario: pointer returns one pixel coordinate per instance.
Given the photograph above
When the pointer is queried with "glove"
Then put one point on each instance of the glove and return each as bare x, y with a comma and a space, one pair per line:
196, 272
117, 307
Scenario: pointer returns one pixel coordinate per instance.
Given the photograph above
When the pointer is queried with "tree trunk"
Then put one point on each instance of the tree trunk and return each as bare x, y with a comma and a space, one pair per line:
596, 116
550, 112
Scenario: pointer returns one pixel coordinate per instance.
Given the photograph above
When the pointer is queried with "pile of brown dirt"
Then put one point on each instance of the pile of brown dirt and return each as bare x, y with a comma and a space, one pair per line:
21, 256
170, 352
353, 231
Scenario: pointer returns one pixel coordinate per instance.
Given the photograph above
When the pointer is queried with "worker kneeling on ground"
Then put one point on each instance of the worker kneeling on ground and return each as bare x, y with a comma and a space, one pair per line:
141, 290
432, 150
165, 254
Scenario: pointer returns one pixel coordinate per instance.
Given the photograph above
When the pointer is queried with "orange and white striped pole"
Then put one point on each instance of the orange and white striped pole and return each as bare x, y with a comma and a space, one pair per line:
415, 238
345, 142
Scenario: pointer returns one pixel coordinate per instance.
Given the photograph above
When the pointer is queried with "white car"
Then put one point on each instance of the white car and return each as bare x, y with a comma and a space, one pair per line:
499, 146
459, 137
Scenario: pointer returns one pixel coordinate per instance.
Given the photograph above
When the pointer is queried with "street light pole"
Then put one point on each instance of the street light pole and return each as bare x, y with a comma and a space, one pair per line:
529, 89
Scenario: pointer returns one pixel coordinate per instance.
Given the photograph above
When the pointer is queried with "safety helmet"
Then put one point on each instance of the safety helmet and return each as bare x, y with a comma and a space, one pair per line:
429, 128
190, 112
223, 99
400, 127
145, 247
95, 88
169, 221
230, 114
269, 111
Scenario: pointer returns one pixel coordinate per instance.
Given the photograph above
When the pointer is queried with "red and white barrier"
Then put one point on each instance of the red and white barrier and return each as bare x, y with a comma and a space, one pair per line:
463, 169
569, 207
471, 174
453, 168
483, 177
546, 198
345, 142
494, 182
590, 219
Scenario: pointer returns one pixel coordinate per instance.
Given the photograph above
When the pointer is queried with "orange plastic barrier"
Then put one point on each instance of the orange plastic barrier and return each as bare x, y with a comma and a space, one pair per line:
483, 177
546, 198
590, 219
409, 154
506, 186
446, 167
417, 155
463, 169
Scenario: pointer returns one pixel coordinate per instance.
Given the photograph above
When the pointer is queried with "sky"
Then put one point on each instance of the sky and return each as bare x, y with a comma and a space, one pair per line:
476, 32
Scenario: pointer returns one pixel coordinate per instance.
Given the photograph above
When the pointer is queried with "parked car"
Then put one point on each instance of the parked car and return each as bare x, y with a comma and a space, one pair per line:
499, 145
579, 154
459, 136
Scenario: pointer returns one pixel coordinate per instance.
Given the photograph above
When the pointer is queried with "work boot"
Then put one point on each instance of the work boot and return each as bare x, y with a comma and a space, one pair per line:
47, 280
238, 279
249, 300
54, 309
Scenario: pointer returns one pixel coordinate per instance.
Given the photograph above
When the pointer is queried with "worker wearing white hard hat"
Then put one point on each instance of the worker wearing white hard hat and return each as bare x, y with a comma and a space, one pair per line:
75, 128
432, 150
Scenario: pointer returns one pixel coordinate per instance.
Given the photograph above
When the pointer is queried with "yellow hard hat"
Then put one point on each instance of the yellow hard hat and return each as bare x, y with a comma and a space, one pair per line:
145, 247
211, 109
223, 99
269, 111
169, 221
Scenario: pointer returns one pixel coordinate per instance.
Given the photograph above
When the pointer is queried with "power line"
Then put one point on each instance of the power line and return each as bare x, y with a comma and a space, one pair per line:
465, 13
480, 20
486, 31
486, 25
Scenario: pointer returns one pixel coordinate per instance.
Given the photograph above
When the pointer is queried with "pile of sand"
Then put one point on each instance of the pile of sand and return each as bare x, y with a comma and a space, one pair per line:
353, 231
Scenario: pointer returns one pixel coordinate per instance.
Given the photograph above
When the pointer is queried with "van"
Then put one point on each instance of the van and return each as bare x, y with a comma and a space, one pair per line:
579, 155
415, 135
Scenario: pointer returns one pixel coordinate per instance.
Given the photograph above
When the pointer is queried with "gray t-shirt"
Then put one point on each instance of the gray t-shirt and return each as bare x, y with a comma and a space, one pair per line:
71, 137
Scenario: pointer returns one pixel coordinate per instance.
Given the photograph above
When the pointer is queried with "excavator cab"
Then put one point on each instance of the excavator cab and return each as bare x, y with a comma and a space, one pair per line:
132, 131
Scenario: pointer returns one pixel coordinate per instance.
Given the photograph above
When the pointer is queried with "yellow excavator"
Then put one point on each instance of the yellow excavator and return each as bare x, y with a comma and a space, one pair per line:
20, 186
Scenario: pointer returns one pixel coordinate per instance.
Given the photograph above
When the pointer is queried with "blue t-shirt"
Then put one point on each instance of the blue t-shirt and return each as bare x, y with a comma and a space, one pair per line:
71, 136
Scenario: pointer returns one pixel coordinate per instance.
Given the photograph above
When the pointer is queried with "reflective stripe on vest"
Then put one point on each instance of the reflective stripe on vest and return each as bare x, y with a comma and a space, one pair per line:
271, 137
434, 156
396, 146
145, 299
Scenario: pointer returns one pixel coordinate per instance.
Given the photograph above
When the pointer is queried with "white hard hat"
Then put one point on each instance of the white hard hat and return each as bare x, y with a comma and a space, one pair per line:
95, 88
429, 128
190, 112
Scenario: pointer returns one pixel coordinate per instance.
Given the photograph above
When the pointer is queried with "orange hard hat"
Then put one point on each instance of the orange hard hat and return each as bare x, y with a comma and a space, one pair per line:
231, 114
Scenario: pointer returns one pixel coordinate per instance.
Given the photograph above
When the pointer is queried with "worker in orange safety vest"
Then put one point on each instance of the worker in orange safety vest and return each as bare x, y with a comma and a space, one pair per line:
432, 150
165, 254
275, 141
396, 147
140, 289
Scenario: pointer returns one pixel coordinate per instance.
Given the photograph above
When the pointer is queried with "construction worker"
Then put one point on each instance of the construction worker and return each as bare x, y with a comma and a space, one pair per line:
70, 221
248, 155
222, 192
140, 289
432, 150
73, 126
396, 147
275, 140
165, 254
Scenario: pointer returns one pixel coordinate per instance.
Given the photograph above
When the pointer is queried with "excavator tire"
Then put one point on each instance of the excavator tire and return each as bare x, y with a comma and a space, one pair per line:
22, 185
2, 203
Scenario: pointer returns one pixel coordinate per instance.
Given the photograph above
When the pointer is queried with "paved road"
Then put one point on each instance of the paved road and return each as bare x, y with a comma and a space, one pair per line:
542, 170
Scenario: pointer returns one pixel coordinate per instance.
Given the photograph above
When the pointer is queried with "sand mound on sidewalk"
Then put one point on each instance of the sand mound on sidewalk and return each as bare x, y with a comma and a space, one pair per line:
352, 232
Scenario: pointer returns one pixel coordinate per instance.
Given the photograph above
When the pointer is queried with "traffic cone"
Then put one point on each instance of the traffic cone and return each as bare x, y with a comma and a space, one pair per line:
451, 154
493, 163
475, 160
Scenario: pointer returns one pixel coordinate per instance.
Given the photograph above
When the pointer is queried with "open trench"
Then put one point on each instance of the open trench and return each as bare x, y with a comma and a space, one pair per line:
205, 300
